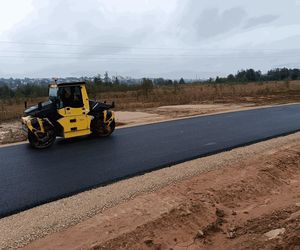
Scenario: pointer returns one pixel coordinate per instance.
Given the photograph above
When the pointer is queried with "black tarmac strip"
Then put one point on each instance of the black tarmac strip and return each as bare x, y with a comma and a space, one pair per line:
29, 177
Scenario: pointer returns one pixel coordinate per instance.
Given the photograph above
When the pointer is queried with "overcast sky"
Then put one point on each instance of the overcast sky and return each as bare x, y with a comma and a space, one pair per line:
168, 38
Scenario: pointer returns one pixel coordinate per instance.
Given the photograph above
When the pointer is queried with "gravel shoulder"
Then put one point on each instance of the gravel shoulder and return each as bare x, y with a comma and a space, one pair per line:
173, 207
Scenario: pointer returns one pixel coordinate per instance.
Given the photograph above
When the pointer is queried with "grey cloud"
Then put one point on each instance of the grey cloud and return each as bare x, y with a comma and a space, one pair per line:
211, 22
85, 24
56, 22
255, 21
211, 27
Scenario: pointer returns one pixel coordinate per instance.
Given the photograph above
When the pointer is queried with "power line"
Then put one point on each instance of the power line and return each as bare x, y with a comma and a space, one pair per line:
160, 57
107, 45
122, 54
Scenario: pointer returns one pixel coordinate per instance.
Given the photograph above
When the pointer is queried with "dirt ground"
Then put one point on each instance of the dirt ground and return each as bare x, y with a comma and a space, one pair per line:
175, 111
247, 198
250, 204
11, 132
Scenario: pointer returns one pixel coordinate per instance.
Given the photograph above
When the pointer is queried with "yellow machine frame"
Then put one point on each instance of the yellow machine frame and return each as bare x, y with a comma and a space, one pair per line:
27, 124
75, 121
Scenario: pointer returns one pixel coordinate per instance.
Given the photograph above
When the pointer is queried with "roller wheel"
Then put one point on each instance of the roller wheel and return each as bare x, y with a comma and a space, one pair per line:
42, 140
103, 130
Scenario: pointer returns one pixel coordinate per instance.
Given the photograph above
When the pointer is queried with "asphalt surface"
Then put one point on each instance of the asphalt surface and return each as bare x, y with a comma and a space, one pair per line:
32, 177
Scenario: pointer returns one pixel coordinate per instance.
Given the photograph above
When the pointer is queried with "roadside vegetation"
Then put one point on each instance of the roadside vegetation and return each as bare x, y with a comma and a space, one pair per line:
276, 86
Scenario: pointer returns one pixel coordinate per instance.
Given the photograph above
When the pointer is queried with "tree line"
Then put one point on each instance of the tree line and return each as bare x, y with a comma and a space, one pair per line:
23, 91
250, 75
107, 83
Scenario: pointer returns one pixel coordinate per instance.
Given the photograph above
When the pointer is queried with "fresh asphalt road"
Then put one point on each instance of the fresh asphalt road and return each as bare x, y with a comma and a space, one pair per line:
32, 177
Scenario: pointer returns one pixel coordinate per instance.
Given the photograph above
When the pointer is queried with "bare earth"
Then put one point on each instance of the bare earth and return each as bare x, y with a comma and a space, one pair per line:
233, 200
254, 204
11, 132
246, 198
